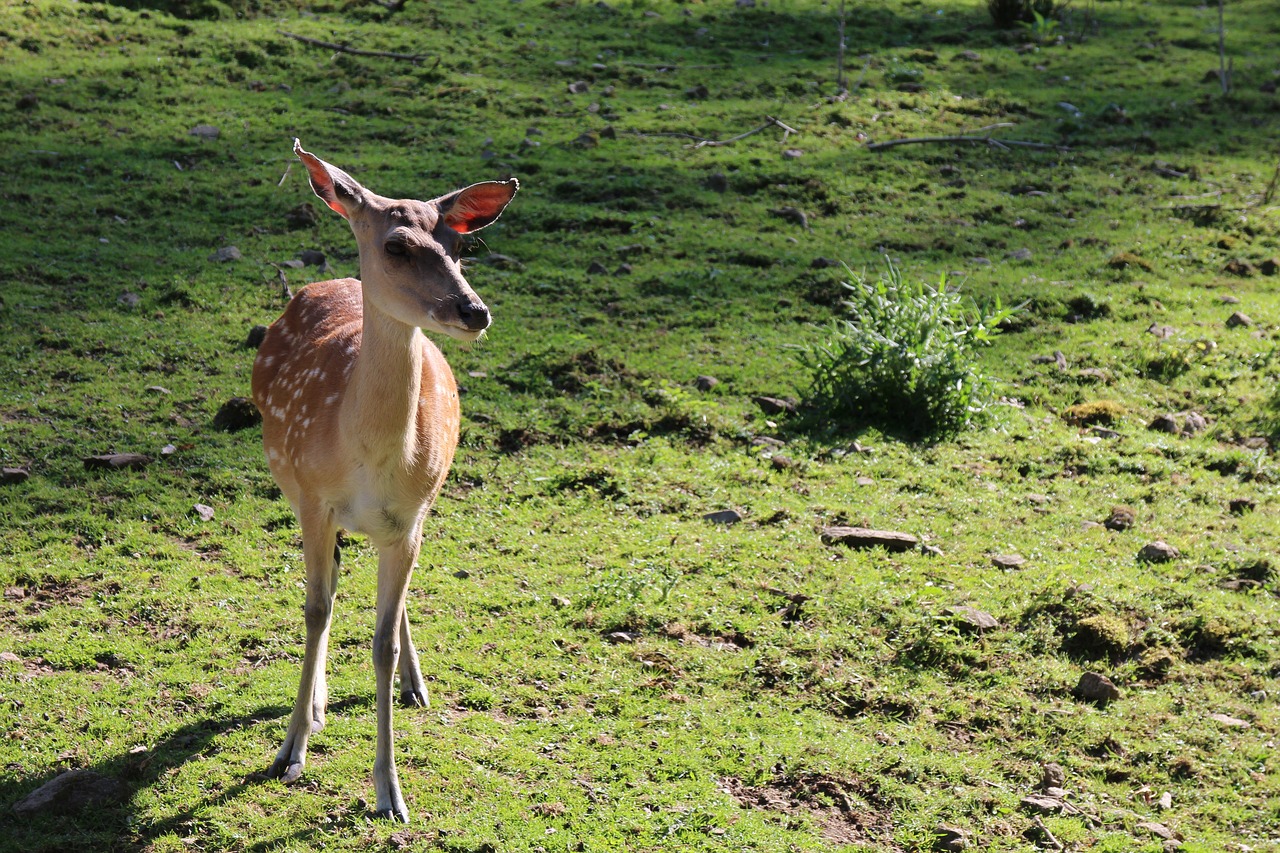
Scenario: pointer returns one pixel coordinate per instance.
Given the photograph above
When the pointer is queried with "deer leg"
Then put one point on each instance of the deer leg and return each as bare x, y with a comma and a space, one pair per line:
321, 554
395, 567
413, 690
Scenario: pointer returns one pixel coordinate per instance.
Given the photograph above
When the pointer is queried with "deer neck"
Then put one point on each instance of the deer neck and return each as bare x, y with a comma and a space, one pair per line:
380, 410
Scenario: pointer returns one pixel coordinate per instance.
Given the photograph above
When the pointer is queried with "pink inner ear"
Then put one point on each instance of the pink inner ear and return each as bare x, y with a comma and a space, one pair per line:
477, 206
321, 182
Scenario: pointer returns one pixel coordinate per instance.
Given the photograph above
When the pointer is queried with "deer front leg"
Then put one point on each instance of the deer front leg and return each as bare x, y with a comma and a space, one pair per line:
395, 567
321, 555
413, 689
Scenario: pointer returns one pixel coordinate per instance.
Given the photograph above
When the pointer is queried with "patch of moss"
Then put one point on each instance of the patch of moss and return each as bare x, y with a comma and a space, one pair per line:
1094, 412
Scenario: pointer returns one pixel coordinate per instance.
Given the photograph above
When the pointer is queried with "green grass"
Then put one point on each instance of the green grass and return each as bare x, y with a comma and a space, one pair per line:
164, 650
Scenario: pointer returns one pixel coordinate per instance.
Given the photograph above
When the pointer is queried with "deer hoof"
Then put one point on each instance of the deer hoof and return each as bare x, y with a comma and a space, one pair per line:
393, 815
414, 698
286, 772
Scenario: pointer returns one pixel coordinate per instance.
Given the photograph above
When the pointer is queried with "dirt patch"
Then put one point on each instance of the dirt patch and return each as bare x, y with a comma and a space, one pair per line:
848, 811
42, 593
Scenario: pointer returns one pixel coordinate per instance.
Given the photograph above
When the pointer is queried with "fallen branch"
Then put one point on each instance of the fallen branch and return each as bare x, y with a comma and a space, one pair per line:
355, 51
704, 142
976, 137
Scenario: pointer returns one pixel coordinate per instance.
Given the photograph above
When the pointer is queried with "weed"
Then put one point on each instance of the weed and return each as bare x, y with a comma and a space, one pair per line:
906, 358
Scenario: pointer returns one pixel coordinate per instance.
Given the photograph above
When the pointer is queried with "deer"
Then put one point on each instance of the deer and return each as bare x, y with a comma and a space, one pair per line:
360, 421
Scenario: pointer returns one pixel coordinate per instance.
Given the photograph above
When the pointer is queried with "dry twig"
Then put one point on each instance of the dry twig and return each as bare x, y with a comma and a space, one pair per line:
703, 142
976, 137
355, 51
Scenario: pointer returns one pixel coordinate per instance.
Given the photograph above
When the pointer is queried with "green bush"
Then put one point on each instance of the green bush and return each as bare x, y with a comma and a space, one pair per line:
905, 358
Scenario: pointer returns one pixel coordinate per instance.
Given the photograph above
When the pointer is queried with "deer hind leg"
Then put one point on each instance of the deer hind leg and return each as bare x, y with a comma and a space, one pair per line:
395, 568
320, 550
413, 689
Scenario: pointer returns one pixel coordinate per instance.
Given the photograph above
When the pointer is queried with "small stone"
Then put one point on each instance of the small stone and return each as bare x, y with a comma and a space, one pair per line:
780, 462
823, 263
1094, 687
1042, 804
72, 792
158, 389
980, 261
129, 299
1165, 802
204, 511
1239, 320
502, 262
462, 574
579, 87
597, 268
168, 450
620, 637
865, 481
1121, 518
697, 93
1228, 299
624, 269
1195, 423
792, 154
302, 216
204, 131
1157, 829
13, 476
968, 56
1230, 722
1239, 506
312, 257
236, 414
560, 601
1165, 423
1052, 776
863, 537
1093, 374
705, 383
1161, 331
1239, 267
775, 405
716, 182
1270, 266
723, 516
949, 839
1008, 561
974, 617
791, 214
225, 254
117, 461
1022, 254
1124, 260
1157, 552
9, 657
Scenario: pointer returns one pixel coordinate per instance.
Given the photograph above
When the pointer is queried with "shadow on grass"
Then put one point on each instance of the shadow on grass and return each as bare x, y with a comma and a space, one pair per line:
120, 828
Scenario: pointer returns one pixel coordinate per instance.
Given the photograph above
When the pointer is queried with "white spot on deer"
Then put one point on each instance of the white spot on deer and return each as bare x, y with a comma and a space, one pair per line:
268, 360
331, 399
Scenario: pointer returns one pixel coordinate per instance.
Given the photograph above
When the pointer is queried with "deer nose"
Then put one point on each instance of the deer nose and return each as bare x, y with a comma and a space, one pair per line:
474, 315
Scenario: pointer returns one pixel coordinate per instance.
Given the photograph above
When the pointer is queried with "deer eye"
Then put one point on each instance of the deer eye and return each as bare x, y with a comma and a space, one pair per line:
396, 249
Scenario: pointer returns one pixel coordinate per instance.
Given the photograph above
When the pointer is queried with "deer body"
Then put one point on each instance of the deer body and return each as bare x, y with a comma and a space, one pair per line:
360, 423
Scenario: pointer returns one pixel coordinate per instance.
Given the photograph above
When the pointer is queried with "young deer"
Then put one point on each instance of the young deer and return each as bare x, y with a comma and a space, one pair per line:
360, 422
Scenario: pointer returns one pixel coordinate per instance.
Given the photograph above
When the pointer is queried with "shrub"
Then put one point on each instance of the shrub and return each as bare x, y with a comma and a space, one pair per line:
905, 358
1007, 14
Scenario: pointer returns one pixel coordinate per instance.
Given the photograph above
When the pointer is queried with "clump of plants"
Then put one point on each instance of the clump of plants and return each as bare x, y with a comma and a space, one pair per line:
1007, 14
905, 357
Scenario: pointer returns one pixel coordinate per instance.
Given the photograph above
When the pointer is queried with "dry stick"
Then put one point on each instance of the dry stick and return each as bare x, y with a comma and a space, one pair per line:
842, 87
703, 142
1271, 187
973, 137
287, 167
1224, 71
355, 51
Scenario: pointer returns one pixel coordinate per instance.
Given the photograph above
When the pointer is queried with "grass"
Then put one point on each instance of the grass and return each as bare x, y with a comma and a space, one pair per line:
776, 692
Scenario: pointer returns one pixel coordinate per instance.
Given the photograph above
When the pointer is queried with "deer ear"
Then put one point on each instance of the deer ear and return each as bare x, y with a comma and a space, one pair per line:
476, 206
335, 187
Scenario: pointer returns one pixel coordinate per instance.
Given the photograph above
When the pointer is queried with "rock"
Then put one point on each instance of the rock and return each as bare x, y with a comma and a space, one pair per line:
1165, 802
502, 262
72, 792
236, 414
1022, 254
597, 268
1194, 423
1164, 423
302, 216
578, 87
1052, 776
1157, 829
560, 601
1239, 320
716, 182
780, 462
225, 254
1157, 552
723, 516
697, 93
204, 511
1094, 687
1094, 374
1161, 331
462, 574
931, 551
1008, 561
863, 537
1228, 299
28, 101
1236, 506
705, 383
968, 56
791, 214
1121, 518
13, 476
823, 263
9, 657
1270, 266
168, 450
312, 257
1230, 722
624, 269
620, 637
1042, 804
255, 337
974, 617
949, 838
980, 261
129, 299
1124, 260
204, 131
865, 481
116, 461
158, 389
775, 405
792, 153
1239, 267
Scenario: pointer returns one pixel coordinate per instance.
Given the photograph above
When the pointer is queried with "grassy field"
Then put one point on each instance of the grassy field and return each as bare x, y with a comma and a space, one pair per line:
609, 670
